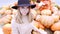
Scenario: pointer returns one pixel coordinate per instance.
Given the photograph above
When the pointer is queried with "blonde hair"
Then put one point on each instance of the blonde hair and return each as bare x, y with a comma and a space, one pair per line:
18, 17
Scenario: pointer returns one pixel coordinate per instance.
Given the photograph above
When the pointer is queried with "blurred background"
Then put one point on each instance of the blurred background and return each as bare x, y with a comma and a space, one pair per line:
8, 2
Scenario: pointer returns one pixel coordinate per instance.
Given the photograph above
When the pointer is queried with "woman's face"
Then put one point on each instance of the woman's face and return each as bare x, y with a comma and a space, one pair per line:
24, 10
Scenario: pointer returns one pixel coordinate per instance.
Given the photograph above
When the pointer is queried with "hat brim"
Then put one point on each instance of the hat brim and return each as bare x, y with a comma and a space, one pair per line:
32, 6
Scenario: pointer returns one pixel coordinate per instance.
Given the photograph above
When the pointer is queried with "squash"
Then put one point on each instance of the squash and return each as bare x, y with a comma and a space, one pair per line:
47, 21
7, 29
46, 12
56, 26
57, 32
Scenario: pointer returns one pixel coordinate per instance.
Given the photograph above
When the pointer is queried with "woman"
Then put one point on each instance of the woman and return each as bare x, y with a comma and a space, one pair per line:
22, 21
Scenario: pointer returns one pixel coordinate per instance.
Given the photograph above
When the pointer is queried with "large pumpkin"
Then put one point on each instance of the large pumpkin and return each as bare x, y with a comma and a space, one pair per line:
56, 26
6, 19
47, 21
7, 29
46, 12
57, 32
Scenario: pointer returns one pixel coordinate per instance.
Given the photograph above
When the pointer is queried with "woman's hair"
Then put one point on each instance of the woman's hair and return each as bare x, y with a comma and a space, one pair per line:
18, 17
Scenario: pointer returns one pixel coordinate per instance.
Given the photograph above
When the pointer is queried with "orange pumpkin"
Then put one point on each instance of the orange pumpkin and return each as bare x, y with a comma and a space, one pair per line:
7, 29
56, 26
46, 12
57, 32
47, 21
6, 19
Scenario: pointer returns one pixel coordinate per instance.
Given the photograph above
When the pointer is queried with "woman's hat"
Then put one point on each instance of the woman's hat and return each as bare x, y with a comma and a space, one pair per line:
24, 3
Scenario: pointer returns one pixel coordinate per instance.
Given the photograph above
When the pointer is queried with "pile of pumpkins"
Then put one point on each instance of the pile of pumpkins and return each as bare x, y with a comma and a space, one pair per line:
5, 18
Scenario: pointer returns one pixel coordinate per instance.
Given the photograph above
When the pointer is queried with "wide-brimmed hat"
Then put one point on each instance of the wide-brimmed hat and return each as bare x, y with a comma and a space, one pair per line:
24, 3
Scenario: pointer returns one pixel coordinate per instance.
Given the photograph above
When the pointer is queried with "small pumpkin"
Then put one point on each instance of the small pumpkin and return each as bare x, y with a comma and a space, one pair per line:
57, 32
7, 29
46, 12
56, 26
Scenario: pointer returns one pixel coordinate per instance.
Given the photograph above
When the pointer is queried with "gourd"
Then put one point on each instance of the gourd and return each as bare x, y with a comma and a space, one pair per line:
46, 12
56, 26
7, 29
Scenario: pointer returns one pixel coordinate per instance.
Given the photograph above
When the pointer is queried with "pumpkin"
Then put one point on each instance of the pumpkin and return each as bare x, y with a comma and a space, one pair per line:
47, 21
46, 12
38, 25
56, 26
7, 29
56, 18
8, 12
57, 32
6, 19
